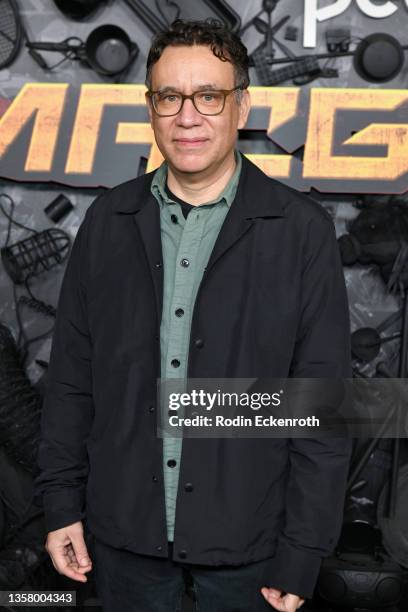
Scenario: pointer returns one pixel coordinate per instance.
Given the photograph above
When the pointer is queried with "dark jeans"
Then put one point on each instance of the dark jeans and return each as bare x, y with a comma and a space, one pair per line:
128, 582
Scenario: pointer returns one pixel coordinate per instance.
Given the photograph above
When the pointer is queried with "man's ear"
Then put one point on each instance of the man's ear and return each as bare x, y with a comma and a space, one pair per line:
244, 108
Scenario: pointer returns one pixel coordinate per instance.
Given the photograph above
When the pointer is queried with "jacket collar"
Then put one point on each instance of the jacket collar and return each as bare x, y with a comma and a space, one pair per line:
257, 195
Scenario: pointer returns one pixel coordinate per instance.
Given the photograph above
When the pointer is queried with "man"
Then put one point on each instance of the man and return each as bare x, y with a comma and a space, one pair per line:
205, 268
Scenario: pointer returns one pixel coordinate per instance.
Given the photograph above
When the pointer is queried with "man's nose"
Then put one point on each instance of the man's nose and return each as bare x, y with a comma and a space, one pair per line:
188, 115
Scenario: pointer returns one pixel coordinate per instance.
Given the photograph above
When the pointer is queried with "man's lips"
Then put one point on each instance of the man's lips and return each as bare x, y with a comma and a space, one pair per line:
193, 142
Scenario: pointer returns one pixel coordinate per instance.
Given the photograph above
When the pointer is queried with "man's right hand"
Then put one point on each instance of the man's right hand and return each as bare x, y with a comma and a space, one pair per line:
68, 551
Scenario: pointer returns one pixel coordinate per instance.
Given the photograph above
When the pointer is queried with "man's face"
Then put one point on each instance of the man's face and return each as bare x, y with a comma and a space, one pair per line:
189, 141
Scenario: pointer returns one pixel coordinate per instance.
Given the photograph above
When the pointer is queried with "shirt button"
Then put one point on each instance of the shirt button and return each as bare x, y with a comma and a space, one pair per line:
182, 554
175, 363
185, 263
199, 343
155, 479
174, 218
159, 548
172, 463
188, 487
179, 312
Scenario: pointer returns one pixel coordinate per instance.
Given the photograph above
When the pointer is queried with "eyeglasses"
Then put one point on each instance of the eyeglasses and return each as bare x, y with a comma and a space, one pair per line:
169, 103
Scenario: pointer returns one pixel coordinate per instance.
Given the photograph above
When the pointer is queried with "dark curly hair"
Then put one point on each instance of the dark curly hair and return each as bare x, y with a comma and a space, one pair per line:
222, 41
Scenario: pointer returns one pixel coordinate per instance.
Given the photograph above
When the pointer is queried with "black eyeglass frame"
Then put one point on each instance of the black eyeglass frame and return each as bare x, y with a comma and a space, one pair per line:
225, 92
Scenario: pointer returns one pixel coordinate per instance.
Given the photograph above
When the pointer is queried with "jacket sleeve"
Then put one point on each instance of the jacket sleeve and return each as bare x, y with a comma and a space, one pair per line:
68, 407
318, 468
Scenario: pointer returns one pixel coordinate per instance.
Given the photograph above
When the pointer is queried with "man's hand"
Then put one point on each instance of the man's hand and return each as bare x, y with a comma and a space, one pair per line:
68, 551
285, 603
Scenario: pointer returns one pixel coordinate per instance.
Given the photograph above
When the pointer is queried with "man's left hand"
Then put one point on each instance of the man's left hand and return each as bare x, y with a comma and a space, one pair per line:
285, 603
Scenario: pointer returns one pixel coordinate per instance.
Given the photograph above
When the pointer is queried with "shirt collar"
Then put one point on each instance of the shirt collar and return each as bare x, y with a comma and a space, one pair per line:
158, 185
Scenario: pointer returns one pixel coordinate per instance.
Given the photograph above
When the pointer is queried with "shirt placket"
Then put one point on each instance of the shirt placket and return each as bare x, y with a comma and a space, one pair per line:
181, 306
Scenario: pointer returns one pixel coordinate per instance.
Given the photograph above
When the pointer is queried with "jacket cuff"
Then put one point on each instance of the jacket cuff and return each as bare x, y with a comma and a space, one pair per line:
294, 571
63, 507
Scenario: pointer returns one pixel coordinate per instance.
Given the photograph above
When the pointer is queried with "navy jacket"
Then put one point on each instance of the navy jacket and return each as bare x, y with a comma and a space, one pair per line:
272, 303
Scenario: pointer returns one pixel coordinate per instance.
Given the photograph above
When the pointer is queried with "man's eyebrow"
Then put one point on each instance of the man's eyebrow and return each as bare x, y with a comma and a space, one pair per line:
202, 87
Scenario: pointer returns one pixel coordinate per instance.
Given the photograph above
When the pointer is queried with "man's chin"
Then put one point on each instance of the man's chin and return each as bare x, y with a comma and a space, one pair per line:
189, 164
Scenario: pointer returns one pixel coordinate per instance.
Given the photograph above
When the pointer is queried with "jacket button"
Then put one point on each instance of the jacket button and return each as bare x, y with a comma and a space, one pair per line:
174, 218
158, 264
184, 262
182, 554
155, 479
172, 463
175, 363
159, 548
199, 343
179, 312
152, 408
188, 487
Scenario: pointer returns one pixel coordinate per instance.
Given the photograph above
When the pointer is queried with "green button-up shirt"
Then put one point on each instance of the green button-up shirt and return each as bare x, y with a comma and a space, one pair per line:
190, 239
